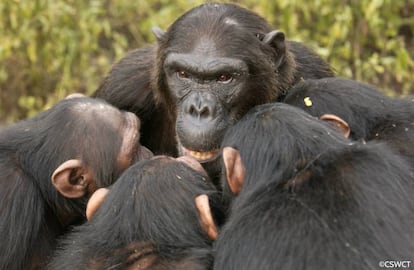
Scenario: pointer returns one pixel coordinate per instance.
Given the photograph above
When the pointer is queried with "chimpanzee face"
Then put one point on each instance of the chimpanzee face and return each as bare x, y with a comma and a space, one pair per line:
215, 66
205, 87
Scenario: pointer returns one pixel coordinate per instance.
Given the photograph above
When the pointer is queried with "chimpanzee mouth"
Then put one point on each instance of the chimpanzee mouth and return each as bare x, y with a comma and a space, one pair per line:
201, 156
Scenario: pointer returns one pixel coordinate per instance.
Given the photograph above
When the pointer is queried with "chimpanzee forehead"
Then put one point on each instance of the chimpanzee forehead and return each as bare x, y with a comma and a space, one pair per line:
225, 42
216, 30
203, 48
206, 46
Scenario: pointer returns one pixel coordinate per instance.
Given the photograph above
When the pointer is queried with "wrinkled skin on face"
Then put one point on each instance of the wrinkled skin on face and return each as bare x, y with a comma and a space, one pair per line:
215, 63
218, 74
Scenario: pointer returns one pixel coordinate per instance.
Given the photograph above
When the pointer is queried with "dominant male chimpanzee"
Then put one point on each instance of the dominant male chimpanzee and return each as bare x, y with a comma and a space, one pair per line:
213, 64
308, 198
369, 114
161, 214
50, 165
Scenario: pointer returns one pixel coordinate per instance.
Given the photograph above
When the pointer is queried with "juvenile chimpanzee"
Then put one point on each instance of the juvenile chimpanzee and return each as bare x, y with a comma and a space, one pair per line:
369, 114
308, 198
49, 166
156, 216
212, 65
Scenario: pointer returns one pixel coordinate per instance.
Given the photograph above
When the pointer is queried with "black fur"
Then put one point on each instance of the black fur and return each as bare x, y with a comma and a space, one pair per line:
32, 212
313, 199
148, 219
207, 36
369, 113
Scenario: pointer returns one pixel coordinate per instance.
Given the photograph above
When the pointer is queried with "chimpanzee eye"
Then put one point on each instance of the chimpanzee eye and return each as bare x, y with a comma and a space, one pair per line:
182, 74
225, 78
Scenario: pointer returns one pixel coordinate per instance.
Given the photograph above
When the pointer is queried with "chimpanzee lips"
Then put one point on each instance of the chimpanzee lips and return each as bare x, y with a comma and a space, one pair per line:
201, 156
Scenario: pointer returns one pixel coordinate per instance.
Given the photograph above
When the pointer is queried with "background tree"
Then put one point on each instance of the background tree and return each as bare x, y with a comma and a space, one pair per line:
50, 48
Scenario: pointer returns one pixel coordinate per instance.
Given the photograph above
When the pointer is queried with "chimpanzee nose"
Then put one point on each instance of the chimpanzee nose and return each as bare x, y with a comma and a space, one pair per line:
200, 106
199, 110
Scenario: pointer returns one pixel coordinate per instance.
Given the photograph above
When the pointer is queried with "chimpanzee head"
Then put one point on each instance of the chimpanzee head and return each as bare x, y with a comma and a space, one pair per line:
213, 64
75, 147
49, 167
276, 138
361, 105
160, 214
97, 143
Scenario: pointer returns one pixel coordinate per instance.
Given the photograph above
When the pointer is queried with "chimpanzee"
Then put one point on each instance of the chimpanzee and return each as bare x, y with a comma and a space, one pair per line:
306, 197
213, 64
161, 214
49, 166
127, 87
369, 114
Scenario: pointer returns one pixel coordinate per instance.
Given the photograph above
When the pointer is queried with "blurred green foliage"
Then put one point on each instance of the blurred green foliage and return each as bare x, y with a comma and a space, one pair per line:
50, 48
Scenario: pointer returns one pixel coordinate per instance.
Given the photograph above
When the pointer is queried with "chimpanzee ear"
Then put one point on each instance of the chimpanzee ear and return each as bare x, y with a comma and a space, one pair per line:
73, 180
95, 202
206, 218
276, 39
338, 123
235, 171
158, 33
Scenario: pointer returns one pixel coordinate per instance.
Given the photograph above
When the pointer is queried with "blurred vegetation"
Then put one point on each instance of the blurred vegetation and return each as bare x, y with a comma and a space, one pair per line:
50, 48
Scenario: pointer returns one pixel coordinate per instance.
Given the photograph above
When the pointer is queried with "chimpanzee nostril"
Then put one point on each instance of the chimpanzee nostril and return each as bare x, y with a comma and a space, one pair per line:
204, 112
192, 110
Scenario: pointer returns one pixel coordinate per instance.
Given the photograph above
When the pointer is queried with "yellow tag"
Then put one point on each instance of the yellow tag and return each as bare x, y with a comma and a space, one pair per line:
307, 101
